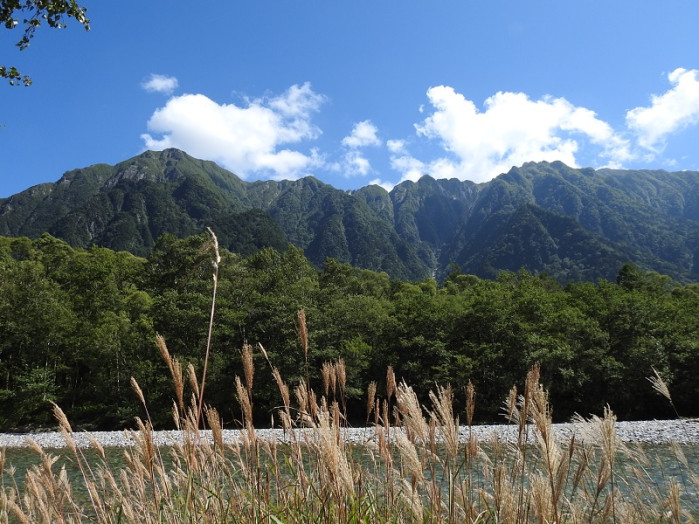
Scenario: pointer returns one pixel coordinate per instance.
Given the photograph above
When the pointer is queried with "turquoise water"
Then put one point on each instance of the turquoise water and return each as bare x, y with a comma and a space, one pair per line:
658, 470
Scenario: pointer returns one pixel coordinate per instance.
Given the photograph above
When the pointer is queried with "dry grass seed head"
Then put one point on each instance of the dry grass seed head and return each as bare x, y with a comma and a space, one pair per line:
145, 443
192, 376
673, 502
248, 365
264, 354
542, 499
61, 418
15, 510
470, 402
610, 440
301, 393
178, 382
286, 422
385, 418
137, 389
214, 421
341, 373
511, 408
302, 332
531, 384
390, 382
283, 388
176, 418
313, 404
659, 385
34, 446
601, 433
244, 401
411, 412
412, 501
162, 346
214, 246
96, 445
409, 456
473, 448
443, 417
327, 371
337, 420
64, 428
371, 398
679, 454
333, 459
505, 495
540, 413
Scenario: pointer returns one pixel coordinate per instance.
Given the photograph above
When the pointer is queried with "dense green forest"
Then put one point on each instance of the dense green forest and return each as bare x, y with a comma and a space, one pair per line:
77, 324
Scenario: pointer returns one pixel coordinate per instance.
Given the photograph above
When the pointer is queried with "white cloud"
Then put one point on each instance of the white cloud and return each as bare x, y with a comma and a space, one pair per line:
388, 186
402, 161
395, 146
363, 134
248, 140
356, 164
512, 130
672, 111
160, 84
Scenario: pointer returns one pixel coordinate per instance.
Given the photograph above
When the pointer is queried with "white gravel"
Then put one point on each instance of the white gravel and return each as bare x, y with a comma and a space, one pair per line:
650, 431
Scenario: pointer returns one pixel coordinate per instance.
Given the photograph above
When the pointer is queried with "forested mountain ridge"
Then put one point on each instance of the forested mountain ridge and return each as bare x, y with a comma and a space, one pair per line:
128, 206
574, 224
581, 223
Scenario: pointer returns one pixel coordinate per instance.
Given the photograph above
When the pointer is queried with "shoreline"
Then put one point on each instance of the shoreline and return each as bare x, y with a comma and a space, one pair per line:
647, 431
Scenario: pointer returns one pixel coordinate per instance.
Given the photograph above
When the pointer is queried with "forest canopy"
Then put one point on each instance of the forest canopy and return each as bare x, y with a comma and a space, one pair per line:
77, 324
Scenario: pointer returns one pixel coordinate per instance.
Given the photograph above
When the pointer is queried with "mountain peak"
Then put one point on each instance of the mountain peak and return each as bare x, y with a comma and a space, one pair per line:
579, 223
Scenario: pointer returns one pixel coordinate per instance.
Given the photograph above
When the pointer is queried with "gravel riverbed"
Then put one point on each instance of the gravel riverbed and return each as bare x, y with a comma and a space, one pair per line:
649, 431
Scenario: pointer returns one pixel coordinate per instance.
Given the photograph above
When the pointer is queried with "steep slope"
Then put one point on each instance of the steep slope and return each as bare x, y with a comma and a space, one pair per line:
328, 223
129, 205
34, 210
546, 217
649, 215
540, 241
429, 212
639, 216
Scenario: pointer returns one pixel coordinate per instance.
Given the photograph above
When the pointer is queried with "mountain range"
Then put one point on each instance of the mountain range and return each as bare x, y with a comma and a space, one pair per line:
574, 224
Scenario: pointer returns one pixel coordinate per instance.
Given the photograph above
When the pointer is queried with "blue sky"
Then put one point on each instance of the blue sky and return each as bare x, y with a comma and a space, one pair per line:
358, 92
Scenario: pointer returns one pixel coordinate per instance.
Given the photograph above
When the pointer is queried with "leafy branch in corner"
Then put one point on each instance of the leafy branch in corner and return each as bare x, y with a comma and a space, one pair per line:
30, 14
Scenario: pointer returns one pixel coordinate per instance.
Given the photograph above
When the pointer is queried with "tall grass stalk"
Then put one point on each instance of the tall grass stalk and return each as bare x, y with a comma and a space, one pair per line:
215, 263
420, 472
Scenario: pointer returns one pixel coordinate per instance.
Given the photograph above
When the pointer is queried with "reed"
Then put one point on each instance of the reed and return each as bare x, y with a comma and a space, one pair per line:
419, 470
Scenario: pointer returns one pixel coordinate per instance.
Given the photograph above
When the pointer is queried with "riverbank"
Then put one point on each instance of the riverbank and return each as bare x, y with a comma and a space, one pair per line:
648, 431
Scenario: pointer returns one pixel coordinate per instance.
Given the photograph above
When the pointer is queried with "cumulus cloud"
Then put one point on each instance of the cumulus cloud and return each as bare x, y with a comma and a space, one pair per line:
363, 134
388, 186
511, 130
160, 84
402, 161
248, 139
355, 163
668, 113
